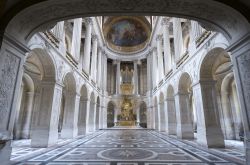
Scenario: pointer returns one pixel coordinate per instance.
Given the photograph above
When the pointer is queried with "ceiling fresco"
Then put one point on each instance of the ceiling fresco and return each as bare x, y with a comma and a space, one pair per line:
127, 34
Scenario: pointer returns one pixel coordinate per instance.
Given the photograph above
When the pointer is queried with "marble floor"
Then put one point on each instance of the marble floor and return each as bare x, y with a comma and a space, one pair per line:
127, 147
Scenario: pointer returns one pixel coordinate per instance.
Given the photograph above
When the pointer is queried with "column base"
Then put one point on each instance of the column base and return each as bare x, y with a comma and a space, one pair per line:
5, 152
41, 137
185, 131
69, 133
211, 137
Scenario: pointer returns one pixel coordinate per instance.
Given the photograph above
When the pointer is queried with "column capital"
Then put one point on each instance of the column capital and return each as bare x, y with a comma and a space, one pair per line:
94, 37
88, 21
165, 21
159, 37
152, 49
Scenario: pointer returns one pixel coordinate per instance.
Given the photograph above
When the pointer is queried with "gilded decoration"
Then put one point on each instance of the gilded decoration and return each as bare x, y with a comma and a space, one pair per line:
127, 33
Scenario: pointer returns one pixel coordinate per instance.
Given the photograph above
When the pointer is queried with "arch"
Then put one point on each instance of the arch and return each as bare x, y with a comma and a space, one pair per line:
22, 123
211, 61
213, 14
83, 106
110, 114
184, 111
69, 108
156, 114
40, 65
162, 115
171, 111
143, 114
185, 83
230, 109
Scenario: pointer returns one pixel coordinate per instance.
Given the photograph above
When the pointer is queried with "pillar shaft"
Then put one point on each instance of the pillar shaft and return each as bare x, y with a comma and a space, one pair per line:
167, 49
71, 111
178, 40
87, 45
135, 78
76, 39
183, 117
118, 77
209, 132
160, 57
46, 115
94, 58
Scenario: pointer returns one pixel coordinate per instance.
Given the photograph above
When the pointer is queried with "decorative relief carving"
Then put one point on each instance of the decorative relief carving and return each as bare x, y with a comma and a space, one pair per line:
9, 65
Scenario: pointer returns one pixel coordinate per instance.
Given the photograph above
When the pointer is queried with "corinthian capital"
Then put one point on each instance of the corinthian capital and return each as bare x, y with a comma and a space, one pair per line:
165, 21
88, 21
158, 37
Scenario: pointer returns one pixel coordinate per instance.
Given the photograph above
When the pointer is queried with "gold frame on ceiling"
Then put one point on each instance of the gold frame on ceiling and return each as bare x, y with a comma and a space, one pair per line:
127, 49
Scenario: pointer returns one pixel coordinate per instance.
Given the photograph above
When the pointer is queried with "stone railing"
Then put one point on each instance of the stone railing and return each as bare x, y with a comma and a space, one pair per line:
52, 38
182, 59
202, 38
71, 59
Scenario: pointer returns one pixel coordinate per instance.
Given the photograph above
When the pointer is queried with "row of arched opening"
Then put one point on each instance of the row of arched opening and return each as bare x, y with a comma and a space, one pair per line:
180, 112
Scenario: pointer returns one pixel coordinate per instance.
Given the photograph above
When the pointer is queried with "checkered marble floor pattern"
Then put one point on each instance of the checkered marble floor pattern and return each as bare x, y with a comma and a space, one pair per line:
131, 147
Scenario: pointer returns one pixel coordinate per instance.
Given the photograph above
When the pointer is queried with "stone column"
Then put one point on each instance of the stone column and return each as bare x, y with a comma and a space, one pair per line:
59, 32
82, 116
156, 119
178, 40
196, 31
71, 110
46, 115
241, 62
91, 117
226, 108
76, 38
160, 57
88, 103
27, 115
162, 117
149, 67
118, 77
167, 49
99, 67
209, 132
94, 58
170, 116
115, 116
104, 109
138, 116
87, 45
11, 63
183, 117
104, 76
135, 78
154, 68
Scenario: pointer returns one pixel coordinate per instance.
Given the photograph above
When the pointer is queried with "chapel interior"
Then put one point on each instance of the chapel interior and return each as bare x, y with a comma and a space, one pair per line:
121, 88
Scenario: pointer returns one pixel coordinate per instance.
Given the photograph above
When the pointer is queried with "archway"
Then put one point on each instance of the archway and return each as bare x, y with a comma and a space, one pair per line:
162, 114
84, 103
171, 112
230, 108
91, 115
207, 91
23, 23
184, 114
25, 108
69, 128
156, 114
97, 114
143, 115
111, 115
40, 66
